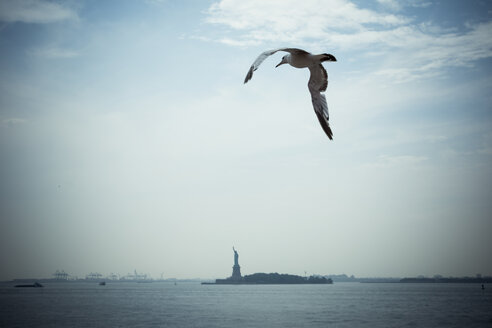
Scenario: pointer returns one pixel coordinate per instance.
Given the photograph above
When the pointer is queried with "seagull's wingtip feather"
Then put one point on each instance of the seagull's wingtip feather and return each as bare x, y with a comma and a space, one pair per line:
330, 134
249, 75
325, 125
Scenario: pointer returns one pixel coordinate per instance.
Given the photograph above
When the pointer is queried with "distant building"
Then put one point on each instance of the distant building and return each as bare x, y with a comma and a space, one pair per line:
136, 277
60, 275
93, 276
112, 276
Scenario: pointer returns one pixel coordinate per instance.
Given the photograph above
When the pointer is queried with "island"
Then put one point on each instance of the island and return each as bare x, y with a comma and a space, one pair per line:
265, 278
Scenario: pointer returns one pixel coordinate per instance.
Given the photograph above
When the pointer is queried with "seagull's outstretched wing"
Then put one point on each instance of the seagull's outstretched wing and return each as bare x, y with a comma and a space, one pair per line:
266, 54
318, 82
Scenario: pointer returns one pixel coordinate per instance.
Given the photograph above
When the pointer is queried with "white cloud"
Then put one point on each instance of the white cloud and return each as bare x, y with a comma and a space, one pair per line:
32, 11
294, 17
391, 4
410, 50
423, 54
420, 4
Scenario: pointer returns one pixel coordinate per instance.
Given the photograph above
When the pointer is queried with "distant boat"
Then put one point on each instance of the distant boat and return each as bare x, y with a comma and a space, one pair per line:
36, 284
102, 283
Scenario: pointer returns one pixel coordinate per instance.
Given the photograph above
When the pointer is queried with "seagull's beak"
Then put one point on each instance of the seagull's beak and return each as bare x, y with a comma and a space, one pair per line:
281, 63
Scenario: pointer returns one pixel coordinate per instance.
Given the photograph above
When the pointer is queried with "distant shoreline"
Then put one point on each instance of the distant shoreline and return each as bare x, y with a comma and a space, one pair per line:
484, 280
477, 280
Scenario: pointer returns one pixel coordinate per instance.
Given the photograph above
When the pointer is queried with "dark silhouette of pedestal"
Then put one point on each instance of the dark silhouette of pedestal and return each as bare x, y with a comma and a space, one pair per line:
236, 273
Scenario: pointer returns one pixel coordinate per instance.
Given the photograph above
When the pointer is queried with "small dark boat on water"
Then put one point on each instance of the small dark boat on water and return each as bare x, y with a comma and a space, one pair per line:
36, 284
102, 283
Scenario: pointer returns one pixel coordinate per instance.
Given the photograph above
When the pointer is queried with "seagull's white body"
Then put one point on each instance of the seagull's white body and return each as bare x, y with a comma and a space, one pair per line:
318, 81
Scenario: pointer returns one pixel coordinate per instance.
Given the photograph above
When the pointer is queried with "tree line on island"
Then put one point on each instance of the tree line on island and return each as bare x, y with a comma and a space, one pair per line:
276, 278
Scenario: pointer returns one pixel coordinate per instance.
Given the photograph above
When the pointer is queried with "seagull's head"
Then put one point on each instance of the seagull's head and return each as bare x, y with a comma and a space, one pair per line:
284, 61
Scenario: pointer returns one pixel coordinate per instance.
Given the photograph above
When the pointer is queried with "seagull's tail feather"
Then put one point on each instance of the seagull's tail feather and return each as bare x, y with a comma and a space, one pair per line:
325, 125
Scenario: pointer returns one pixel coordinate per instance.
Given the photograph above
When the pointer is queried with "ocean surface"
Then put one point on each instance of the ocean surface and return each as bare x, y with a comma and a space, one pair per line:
194, 305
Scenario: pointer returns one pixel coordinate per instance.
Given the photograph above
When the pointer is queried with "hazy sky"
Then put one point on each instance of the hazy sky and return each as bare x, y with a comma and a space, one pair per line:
128, 140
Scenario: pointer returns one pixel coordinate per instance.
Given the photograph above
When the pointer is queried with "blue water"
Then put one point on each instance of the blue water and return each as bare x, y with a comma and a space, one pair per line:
195, 305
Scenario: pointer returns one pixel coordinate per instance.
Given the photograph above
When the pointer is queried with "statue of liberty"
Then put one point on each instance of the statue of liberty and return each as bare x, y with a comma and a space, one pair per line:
236, 257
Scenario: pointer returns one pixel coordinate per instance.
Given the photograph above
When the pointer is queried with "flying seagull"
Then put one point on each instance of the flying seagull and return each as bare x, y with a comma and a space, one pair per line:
318, 81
